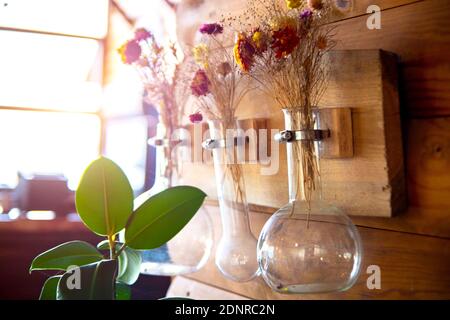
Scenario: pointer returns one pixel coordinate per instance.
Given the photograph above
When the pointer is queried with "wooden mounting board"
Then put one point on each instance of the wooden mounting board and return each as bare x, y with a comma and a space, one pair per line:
372, 182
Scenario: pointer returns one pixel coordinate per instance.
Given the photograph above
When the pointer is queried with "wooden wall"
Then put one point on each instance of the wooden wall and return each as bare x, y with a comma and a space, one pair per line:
412, 248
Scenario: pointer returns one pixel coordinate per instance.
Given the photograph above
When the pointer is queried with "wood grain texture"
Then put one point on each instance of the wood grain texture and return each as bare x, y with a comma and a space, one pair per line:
428, 164
189, 17
412, 267
352, 8
340, 142
415, 220
428, 180
419, 33
371, 183
184, 287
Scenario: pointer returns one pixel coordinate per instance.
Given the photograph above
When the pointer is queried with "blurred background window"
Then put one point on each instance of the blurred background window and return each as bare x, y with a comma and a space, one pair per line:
51, 73
65, 98
65, 95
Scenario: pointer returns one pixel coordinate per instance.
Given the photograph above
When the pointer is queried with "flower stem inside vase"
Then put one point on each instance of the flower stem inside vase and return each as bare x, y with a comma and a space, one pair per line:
236, 250
303, 159
308, 245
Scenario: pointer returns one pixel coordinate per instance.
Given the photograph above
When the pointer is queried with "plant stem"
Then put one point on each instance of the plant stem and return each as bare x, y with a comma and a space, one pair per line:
112, 248
121, 249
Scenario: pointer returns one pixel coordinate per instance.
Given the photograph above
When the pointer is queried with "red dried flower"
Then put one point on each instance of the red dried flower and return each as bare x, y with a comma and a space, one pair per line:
130, 51
244, 52
211, 28
200, 84
196, 117
142, 34
284, 41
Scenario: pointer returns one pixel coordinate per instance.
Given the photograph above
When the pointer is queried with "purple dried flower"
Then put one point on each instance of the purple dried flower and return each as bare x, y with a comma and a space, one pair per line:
142, 34
306, 14
200, 84
130, 51
211, 28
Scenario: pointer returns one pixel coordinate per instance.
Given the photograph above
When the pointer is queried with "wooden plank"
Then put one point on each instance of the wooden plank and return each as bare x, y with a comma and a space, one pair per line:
416, 220
376, 169
428, 164
340, 143
412, 267
189, 16
184, 287
352, 8
422, 41
428, 180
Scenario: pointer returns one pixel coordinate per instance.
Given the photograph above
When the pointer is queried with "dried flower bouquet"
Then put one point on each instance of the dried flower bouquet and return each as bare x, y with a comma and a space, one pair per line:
284, 52
163, 73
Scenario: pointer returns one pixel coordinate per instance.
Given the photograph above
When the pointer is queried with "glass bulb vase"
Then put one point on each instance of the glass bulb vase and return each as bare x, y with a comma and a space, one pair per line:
308, 246
184, 253
236, 249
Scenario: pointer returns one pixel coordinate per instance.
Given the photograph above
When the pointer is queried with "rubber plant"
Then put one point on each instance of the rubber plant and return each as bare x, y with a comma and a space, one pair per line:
104, 201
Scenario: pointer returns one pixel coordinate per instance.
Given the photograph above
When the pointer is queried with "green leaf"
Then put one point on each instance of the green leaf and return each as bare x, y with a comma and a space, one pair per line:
129, 262
49, 288
96, 282
162, 216
103, 245
123, 291
77, 253
131, 269
104, 198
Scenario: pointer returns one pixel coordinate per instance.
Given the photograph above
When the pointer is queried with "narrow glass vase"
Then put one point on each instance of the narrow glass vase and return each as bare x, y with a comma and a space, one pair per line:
184, 253
236, 250
308, 246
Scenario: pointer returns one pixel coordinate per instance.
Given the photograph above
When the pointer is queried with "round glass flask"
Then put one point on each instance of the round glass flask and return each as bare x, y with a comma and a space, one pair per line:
307, 246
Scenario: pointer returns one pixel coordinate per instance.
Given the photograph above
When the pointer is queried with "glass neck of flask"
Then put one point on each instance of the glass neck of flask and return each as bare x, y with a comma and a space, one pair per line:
229, 180
303, 157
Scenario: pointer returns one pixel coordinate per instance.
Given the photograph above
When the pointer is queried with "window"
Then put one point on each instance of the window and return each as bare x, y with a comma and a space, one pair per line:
51, 67
49, 72
47, 142
83, 18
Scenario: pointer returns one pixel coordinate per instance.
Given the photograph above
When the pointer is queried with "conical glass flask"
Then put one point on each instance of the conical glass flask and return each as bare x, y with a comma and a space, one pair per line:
307, 246
184, 253
236, 250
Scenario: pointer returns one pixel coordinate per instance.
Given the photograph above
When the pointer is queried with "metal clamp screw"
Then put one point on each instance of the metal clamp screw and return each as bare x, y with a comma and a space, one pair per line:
299, 135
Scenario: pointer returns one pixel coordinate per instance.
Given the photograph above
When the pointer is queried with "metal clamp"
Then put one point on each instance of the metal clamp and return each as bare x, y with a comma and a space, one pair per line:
210, 144
299, 135
163, 142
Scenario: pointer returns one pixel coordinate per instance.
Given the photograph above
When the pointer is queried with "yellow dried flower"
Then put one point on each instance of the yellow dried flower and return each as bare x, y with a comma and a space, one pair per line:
200, 53
293, 4
257, 36
259, 41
